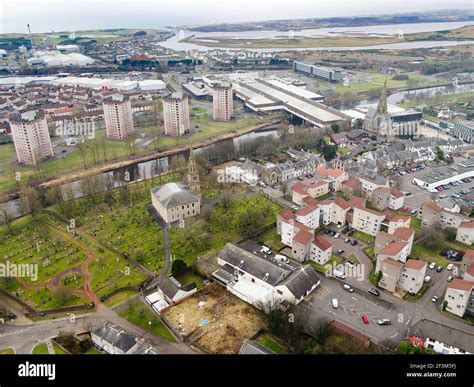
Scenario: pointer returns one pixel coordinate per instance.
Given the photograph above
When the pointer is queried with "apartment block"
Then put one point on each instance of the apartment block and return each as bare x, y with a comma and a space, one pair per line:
118, 117
176, 114
31, 137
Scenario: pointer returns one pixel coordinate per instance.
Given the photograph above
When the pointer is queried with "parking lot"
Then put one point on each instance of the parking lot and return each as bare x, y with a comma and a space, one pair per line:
420, 195
351, 308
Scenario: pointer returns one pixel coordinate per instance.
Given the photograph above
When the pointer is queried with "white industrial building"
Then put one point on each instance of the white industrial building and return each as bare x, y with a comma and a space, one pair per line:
431, 178
56, 58
86, 82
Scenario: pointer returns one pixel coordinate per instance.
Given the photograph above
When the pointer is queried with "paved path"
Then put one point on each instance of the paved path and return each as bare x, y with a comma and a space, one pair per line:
23, 338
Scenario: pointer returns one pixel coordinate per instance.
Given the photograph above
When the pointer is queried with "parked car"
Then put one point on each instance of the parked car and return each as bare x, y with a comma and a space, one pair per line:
374, 291
450, 278
327, 232
427, 279
439, 269
450, 267
347, 240
350, 233
353, 242
340, 252
337, 235
365, 319
432, 265
349, 264
335, 303
348, 288
384, 321
434, 298
265, 250
262, 184
338, 274
274, 186
282, 258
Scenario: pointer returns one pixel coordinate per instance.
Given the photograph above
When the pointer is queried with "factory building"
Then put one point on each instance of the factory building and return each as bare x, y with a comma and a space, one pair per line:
464, 131
322, 72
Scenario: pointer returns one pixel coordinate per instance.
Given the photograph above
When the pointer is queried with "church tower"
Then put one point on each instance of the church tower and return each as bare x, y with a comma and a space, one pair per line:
192, 179
382, 106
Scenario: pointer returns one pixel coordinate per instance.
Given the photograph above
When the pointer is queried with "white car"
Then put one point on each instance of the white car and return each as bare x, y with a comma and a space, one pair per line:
335, 303
435, 298
265, 250
282, 258
450, 267
339, 274
427, 279
337, 235
432, 265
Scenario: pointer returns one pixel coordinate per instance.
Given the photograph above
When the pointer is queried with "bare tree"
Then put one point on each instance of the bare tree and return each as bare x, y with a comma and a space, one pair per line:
30, 201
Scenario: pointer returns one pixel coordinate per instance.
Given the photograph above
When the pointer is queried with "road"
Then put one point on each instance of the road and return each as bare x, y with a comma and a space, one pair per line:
23, 338
403, 314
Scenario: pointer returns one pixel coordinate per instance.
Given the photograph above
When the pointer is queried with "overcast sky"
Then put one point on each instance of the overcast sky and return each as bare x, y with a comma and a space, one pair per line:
60, 15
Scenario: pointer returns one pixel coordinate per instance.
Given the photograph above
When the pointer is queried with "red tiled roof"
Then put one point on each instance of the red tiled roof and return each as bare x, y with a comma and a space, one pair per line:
317, 184
342, 203
299, 187
393, 248
393, 217
303, 237
381, 189
397, 193
304, 211
393, 262
361, 208
321, 243
352, 183
432, 205
302, 227
310, 201
415, 264
469, 254
404, 233
356, 201
460, 284
287, 214
467, 225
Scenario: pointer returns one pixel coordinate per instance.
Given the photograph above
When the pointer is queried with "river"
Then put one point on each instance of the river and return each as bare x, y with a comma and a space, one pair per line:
143, 170
381, 30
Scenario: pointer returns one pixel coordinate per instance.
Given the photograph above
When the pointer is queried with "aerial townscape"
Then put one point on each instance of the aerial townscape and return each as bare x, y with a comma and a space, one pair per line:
225, 186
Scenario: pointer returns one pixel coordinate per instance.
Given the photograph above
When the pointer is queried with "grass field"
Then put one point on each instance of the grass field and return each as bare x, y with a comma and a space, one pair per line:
269, 342
140, 315
7, 351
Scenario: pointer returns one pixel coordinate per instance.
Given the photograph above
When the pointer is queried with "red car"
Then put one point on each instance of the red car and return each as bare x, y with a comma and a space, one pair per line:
365, 319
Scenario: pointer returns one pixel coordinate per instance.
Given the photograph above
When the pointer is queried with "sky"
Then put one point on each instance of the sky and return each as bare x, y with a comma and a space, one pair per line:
68, 15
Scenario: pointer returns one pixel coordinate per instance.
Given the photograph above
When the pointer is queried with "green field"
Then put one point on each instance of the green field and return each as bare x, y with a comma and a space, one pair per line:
140, 315
269, 342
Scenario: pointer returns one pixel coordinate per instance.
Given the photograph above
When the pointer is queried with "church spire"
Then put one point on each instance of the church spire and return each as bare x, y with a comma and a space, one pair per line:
382, 106
192, 178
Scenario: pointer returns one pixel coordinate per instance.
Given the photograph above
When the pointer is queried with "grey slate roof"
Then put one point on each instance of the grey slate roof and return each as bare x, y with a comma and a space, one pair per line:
252, 264
251, 347
116, 336
301, 281
173, 194
447, 335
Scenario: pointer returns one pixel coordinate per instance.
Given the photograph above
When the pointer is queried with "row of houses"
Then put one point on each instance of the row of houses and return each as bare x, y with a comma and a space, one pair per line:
431, 214
459, 296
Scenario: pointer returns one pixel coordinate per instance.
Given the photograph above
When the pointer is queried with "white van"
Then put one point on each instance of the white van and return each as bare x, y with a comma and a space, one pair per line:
265, 250
338, 274
282, 258
335, 303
